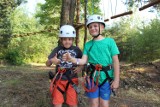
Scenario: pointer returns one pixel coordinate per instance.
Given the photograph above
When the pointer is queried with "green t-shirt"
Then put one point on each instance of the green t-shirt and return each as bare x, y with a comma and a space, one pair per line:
101, 52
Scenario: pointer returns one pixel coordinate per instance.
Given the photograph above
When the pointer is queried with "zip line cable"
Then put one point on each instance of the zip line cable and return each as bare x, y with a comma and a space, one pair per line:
92, 6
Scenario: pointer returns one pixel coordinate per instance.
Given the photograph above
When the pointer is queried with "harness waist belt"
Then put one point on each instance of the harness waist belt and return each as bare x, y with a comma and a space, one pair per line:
104, 68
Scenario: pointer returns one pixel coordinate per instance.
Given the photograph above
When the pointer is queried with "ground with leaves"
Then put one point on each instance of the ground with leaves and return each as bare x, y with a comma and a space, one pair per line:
28, 86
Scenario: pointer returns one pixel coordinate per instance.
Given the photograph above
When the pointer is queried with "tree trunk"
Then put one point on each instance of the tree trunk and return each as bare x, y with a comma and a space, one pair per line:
77, 21
67, 12
6, 7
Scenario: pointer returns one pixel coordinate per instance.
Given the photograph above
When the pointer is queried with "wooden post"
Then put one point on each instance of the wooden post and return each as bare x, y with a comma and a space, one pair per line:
122, 14
106, 20
149, 5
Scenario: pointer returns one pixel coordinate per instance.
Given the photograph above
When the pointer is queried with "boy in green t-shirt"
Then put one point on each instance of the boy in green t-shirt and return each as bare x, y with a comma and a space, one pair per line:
102, 55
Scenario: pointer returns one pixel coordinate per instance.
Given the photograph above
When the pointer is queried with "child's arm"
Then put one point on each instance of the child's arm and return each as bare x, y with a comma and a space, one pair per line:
78, 61
115, 83
53, 60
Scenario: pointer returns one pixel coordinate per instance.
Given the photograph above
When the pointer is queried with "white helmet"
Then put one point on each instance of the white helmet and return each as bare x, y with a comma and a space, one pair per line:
67, 31
95, 18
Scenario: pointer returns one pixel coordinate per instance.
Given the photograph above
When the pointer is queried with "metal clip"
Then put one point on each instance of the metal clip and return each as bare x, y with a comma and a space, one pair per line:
76, 88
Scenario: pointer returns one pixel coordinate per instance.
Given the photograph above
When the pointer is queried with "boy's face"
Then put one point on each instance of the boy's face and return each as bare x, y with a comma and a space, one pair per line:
67, 42
94, 28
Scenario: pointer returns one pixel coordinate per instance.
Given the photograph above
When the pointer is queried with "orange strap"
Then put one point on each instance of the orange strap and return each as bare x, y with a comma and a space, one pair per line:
98, 67
93, 88
52, 82
60, 71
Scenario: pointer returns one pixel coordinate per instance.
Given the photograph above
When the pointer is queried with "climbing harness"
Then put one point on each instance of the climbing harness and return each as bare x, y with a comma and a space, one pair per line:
89, 84
60, 72
55, 81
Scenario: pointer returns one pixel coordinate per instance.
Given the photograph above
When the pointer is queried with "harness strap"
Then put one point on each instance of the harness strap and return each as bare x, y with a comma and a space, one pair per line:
107, 75
93, 86
61, 71
96, 68
105, 69
73, 84
59, 89
52, 86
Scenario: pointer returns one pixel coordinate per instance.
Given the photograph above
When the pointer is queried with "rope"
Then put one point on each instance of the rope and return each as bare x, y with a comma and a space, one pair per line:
108, 9
85, 21
115, 7
111, 7
141, 2
34, 33
92, 4
103, 9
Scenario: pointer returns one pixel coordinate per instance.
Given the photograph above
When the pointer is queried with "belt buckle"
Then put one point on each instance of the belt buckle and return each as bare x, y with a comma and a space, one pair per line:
61, 70
110, 67
98, 67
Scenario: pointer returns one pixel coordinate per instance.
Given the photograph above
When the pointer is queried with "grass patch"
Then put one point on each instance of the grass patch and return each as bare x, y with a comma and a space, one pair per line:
28, 86
149, 96
12, 82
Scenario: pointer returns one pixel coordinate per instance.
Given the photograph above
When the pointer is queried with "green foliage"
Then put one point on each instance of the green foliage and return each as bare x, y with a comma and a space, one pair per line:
22, 23
6, 8
93, 7
147, 42
31, 48
5, 28
34, 47
122, 32
140, 3
49, 13
14, 57
137, 42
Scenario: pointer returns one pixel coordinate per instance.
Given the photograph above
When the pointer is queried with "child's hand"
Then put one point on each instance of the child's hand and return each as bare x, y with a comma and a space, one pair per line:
77, 69
115, 85
55, 60
66, 57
